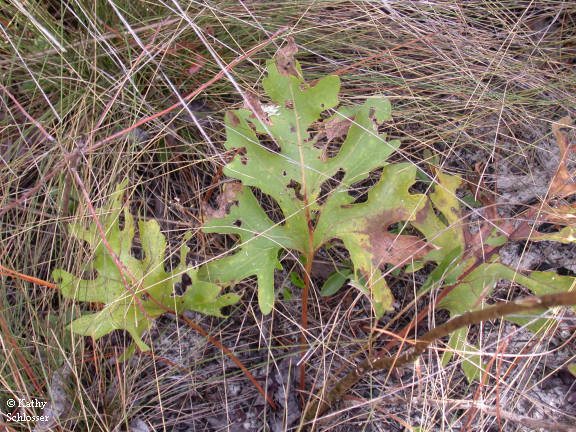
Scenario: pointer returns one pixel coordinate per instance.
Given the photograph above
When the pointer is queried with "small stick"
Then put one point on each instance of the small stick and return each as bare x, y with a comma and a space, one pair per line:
14, 274
28, 116
232, 357
529, 304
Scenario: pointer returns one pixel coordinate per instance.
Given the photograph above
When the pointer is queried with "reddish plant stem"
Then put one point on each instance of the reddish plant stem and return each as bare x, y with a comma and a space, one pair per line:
307, 282
229, 353
403, 334
218, 176
303, 338
447, 290
232, 357
21, 363
14, 274
5, 330
481, 385
28, 116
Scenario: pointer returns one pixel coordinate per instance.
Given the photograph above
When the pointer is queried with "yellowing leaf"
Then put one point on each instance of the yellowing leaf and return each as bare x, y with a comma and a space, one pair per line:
282, 157
144, 290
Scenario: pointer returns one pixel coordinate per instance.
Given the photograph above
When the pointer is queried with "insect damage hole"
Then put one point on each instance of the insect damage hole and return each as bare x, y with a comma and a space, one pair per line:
268, 142
359, 190
297, 188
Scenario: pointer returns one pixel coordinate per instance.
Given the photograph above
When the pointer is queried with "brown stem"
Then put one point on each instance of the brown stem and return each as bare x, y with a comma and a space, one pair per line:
226, 351
309, 257
524, 421
424, 312
232, 357
4, 271
303, 339
320, 406
18, 360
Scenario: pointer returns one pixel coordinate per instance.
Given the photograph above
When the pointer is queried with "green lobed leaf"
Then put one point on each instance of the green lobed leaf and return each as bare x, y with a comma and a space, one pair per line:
144, 290
445, 236
280, 155
468, 294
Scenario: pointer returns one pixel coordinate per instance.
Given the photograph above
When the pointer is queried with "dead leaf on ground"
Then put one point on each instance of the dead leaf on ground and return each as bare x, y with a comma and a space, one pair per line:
562, 183
224, 201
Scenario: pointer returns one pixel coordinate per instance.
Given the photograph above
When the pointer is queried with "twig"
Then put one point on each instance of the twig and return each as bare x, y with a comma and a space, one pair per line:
28, 116
549, 425
14, 274
232, 357
20, 361
529, 304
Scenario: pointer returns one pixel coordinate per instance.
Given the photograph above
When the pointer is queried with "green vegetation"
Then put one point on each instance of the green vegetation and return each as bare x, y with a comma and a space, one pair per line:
133, 292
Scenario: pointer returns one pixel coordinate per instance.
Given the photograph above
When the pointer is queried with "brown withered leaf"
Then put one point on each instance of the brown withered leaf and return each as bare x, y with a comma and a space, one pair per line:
335, 128
285, 58
562, 184
480, 244
224, 201
561, 215
252, 103
397, 250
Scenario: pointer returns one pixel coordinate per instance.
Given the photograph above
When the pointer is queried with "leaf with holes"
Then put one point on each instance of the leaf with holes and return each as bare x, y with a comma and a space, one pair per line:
144, 290
307, 154
457, 252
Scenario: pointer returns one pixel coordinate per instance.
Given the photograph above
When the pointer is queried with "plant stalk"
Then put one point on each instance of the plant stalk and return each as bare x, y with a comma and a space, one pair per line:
319, 406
